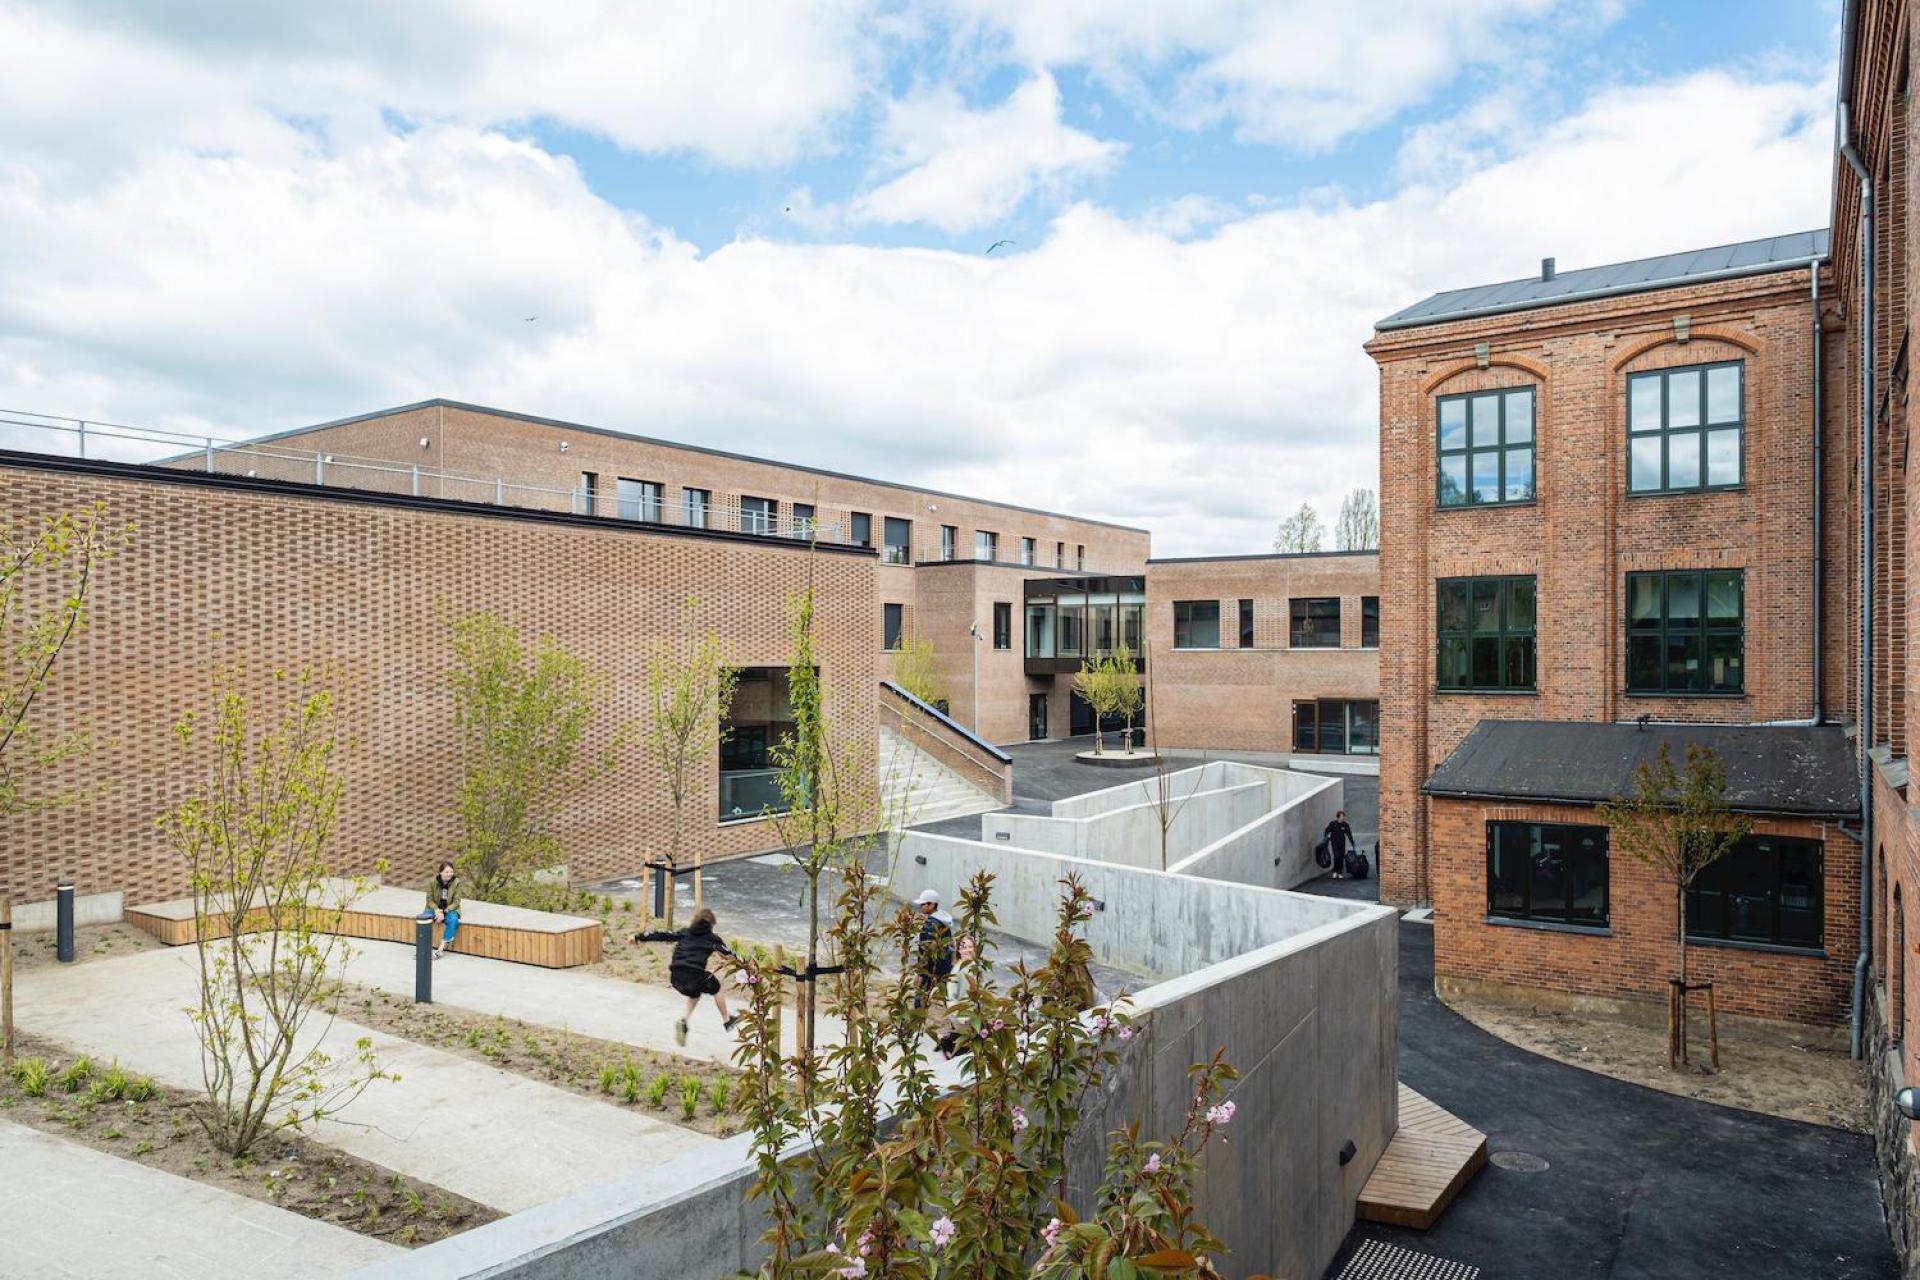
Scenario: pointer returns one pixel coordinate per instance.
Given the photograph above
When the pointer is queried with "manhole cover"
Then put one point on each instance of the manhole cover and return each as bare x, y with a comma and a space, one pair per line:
1520, 1162
1378, 1260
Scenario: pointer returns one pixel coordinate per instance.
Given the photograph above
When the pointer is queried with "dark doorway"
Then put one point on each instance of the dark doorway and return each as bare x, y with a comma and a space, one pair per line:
1036, 716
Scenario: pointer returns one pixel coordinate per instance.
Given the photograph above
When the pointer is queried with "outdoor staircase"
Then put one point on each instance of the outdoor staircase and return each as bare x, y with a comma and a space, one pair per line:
916, 788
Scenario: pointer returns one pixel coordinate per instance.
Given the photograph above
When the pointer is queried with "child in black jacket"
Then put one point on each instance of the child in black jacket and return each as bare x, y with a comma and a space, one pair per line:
687, 971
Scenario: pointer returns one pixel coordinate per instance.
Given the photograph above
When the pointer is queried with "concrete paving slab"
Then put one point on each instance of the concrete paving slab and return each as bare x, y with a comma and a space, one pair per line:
639, 1014
495, 1137
75, 1212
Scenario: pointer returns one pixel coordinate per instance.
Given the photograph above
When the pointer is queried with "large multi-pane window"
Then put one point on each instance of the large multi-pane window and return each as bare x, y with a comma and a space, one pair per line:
1485, 633
1337, 725
1315, 623
1196, 624
1486, 448
899, 536
1684, 427
638, 499
1685, 631
694, 507
1369, 622
1552, 872
1768, 890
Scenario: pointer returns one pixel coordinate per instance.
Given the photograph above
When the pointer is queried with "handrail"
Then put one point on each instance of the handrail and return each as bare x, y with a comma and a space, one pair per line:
952, 754
955, 726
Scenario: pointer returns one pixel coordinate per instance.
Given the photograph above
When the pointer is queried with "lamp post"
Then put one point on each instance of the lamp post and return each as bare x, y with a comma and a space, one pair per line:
973, 629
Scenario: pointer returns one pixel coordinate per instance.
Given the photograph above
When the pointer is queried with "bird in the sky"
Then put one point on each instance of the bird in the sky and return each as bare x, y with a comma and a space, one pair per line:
996, 244
528, 319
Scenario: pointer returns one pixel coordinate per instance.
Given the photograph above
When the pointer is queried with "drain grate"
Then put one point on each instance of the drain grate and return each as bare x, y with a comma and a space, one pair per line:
1378, 1260
1519, 1162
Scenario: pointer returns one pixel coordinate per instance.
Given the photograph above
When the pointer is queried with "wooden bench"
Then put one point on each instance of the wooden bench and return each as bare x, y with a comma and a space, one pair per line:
379, 914
1431, 1158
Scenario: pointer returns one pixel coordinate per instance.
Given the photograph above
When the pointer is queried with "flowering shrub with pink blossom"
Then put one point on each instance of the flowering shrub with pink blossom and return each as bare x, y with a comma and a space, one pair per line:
969, 1181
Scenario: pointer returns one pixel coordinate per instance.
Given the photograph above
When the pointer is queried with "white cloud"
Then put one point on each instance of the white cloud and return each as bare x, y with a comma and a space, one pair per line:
1297, 73
965, 169
753, 82
1198, 380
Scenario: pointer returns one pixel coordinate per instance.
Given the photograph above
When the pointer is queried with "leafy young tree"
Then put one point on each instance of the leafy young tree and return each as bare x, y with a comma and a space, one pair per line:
1301, 531
522, 715
1164, 794
1358, 526
46, 577
1128, 695
916, 668
957, 1187
255, 836
1677, 822
1098, 682
689, 689
826, 786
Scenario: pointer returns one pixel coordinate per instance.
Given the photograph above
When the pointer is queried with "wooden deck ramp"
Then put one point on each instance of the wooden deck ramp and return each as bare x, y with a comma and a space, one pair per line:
1432, 1156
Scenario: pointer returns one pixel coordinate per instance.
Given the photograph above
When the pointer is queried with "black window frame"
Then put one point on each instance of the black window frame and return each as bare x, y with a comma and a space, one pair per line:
759, 515
860, 528
900, 552
1502, 447
1524, 641
1369, 622
1246, 623
1533, 912
1700, 427
804, 520
1663, 632
987, 540
1029, 551
1190, 620
1059, 555
1303, 623
1003, 624
949, 541
892, 623
1707, 900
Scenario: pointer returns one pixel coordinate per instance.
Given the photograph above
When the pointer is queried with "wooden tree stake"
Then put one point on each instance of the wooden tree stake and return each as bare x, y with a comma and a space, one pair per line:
6, 978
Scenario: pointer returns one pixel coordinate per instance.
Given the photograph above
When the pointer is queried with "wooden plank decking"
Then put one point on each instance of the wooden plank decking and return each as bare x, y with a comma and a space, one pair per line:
1432, 1156
487, 929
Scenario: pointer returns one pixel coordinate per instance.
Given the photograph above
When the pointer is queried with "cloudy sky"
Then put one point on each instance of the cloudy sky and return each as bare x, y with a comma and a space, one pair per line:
765, 226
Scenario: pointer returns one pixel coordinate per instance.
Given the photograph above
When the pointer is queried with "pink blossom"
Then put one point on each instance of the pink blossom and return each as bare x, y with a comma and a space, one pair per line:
1051, 1232
1103, 1024
1125, 1033
1020, 1121
1153, 1163
999, 1024
1222, 1115
744, 978
942, 1231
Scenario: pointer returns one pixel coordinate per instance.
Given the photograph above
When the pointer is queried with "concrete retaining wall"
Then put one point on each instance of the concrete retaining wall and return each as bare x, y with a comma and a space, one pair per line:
1130, 836
1298, 991
1274, 850
88, 908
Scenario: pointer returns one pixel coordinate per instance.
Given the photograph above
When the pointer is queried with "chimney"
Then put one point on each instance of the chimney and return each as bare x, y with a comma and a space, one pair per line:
1546, 269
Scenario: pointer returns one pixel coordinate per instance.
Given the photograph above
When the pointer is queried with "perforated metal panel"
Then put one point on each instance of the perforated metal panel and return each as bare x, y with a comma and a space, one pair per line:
1378, 1260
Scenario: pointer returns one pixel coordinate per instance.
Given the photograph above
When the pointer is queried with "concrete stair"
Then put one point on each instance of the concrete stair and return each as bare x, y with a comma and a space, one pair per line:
917, 788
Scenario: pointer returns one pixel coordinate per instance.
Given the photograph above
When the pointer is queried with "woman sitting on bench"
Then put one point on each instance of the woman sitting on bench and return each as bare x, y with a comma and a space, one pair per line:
443, 899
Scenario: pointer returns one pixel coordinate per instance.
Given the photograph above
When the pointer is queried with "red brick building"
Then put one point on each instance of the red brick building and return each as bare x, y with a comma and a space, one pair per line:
1607, 496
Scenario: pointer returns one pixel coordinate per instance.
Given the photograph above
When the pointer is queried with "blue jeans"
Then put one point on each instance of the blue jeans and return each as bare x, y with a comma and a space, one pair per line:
453, 927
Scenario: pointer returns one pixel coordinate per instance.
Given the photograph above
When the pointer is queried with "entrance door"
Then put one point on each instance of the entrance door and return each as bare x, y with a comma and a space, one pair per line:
1306, 726
1036, 716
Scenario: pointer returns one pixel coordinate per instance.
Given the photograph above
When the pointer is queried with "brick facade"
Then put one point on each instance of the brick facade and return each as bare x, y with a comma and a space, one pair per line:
1238, 698
216, 575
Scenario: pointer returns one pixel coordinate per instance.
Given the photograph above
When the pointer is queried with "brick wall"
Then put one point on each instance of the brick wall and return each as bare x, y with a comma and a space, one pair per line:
225, 575
1241, 699
1583, 534
1633, 960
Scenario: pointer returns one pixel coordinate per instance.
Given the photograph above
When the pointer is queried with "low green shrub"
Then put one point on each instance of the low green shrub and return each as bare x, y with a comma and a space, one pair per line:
32, 1075
657, 1089
78, 1072
690, 1092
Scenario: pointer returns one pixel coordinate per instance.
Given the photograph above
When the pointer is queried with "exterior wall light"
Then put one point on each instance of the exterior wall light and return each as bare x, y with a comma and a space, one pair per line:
1908, 1100
563, 446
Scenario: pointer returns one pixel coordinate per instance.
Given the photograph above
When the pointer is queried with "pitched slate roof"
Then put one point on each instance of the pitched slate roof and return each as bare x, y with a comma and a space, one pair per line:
1695, 266
1775, 769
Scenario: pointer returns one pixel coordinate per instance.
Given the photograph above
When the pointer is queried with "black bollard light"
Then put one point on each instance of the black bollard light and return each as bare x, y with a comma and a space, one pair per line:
423, 959
662, 886
63, 921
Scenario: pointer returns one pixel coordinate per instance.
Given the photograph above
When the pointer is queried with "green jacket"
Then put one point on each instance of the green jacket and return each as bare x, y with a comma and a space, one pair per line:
453, 893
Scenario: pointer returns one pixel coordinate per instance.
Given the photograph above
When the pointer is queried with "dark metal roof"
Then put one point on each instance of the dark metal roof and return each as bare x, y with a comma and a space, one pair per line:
1695, 266
1778, 769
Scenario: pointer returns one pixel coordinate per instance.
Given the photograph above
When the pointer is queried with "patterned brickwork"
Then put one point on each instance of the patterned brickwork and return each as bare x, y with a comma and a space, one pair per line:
218, 575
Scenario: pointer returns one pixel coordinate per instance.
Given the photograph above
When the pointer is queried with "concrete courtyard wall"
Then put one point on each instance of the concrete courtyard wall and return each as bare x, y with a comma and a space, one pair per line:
1292, 989
1275, 850
1131, 836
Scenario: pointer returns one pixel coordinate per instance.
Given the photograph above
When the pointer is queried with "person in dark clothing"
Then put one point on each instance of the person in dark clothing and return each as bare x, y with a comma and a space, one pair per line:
687, 971
1339, 840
